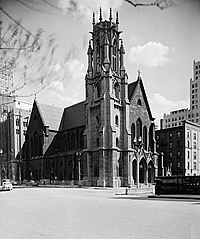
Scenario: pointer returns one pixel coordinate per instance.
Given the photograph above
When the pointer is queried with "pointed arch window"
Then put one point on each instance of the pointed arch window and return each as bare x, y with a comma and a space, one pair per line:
98, 90
145, 137
139, 127
114, 56
40, 146
36, 143
117, 90
97, 119
132, 133
139, 102
117, 142
116, 120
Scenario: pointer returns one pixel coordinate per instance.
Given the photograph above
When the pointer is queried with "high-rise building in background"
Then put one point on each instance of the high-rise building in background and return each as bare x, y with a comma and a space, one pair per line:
14, 116
176, 117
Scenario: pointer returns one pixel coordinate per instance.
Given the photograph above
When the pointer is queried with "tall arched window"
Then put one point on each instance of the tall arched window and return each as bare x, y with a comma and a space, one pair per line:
117, 142
98, 90
36, 143
32, 150
151, 137
139, 127
40, 146
132, 133
98, 120
72, 141
117, 90
145, 137
114, 57
116, 120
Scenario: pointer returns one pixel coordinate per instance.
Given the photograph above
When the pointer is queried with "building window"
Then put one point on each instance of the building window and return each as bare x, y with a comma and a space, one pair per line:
17, 122
195, 145
97, 119
24, 132
178, 143
17, 131
195, 136
170, 155
178, 134
117, 142
178, 165
97, 142
188, 165
178, 154
188, 154
157, 137
188, 144
195, 165
139, 102
170, 135
195, 155
25, 123
170, 145
116, 120
188, 133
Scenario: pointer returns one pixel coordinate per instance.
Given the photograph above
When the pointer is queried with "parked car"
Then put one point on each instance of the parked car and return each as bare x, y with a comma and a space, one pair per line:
32, 183
7, 185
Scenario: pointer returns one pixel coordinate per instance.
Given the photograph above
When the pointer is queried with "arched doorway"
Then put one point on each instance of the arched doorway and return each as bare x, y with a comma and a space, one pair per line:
142, 171
134, 170
151, 172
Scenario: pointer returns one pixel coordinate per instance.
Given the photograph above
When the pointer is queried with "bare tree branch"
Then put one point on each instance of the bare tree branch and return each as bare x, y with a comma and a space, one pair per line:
17, 22
162, 4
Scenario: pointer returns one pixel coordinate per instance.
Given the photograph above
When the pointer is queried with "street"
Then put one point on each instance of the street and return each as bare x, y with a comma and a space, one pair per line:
60, 213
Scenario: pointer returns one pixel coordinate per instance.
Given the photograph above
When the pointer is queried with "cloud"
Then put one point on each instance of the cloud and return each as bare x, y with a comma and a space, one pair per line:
68, 85
160, 105
83, 9
151, 54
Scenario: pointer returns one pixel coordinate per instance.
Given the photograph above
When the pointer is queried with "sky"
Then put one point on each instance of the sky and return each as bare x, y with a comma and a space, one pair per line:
162, 44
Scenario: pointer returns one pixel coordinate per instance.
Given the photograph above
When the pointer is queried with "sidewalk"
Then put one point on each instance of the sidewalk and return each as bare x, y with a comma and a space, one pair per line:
176, 196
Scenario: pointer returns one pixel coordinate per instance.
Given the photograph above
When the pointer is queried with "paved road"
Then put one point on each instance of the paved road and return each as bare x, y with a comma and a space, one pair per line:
67, 213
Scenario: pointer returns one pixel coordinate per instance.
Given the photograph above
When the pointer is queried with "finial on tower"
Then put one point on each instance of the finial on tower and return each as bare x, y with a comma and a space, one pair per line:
122, 47
93, 22
117, 18
110, 14
139, 73
100, 15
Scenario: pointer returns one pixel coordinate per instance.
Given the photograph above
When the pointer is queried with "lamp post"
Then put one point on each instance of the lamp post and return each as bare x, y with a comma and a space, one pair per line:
138, 147
78, 155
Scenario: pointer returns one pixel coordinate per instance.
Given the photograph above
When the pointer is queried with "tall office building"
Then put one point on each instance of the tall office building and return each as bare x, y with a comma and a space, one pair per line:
176, 117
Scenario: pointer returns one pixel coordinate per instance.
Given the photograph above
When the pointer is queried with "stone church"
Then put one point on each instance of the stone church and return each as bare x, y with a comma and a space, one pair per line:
108, 139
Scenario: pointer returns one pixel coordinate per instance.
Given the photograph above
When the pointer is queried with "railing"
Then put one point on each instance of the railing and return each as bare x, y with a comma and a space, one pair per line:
178, 185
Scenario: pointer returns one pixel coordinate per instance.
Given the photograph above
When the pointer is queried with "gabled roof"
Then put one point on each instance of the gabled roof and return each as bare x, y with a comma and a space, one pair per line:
73, 116
131, 90
50, 115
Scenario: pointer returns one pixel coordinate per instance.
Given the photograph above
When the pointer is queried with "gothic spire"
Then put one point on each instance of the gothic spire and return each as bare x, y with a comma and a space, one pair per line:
93, 22
117, 18
110, 14
100, 15
122, 47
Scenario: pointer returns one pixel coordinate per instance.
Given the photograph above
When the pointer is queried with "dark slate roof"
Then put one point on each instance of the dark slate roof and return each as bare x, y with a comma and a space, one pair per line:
131, 90
50, 115
73, 116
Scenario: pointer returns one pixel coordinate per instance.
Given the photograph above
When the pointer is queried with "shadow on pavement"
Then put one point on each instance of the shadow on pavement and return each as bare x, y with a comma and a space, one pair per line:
157, 198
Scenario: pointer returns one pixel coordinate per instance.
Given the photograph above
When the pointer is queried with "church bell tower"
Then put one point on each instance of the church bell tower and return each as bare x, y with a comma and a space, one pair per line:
107, 106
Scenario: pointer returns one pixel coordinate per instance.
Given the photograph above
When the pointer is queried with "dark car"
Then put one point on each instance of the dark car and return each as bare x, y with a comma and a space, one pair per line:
32, 183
